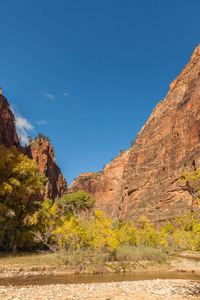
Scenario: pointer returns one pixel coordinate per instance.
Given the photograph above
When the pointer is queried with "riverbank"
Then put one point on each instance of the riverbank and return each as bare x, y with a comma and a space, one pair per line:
81, 262
40, 265
128, 290
30, 283
179, 264
110, 267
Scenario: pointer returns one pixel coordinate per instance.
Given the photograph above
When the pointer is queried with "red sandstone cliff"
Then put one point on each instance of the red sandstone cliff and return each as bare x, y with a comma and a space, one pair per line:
144, 180
42, 152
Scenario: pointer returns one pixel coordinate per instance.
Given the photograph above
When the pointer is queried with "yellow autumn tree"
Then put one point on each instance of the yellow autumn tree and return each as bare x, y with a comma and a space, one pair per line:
101, 234
147, 235
20, 181
192, 185
45, 220
71, 235
187, 234
125, 233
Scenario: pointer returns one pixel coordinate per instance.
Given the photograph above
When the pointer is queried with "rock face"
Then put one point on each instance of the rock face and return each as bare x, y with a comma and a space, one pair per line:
43, 153
144, 180
8, 135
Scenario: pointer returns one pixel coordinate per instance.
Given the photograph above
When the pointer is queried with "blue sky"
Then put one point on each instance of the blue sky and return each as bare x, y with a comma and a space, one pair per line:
88, 73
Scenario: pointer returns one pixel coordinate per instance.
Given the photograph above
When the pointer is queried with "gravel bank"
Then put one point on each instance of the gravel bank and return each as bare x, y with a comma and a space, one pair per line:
127, 290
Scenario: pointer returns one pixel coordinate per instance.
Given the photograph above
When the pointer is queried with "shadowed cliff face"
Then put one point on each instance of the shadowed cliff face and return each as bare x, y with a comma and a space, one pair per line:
144, 180
43, 153
8, 135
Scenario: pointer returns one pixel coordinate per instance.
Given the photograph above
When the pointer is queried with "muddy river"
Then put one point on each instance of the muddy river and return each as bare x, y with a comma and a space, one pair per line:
91, 278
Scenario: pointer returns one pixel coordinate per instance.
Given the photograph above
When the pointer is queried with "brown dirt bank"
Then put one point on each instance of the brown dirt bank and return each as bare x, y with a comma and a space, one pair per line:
179, 264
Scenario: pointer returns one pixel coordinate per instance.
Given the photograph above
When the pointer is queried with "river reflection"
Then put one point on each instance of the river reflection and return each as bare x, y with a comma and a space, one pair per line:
89, 278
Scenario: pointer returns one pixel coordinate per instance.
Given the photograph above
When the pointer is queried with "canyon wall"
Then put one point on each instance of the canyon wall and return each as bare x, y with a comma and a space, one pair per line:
144, 180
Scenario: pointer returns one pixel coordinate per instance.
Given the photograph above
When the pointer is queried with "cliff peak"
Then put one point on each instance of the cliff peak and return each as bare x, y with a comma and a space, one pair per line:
196, 52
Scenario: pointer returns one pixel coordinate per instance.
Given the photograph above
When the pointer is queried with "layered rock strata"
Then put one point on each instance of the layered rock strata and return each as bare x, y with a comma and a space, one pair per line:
144, 180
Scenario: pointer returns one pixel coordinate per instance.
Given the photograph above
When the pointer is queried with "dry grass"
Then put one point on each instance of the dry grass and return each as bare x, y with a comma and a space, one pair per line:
24, 259
72, 259
89, 259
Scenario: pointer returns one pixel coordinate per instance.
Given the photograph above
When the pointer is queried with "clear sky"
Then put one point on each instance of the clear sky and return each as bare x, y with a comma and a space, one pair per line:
88, 73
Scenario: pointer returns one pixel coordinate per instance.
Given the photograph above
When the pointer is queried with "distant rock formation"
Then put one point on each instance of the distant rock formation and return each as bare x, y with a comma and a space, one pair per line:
42, 152
144, 180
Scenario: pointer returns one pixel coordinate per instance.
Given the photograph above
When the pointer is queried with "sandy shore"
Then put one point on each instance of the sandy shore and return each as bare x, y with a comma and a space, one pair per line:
127, 290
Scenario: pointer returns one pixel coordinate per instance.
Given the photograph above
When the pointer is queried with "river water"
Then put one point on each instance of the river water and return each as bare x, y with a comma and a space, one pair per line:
90, 278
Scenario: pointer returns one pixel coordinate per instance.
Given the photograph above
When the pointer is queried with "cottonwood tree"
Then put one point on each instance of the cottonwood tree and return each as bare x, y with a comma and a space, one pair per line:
45, 220
192, 185
20, 181
74, 203
54, 221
